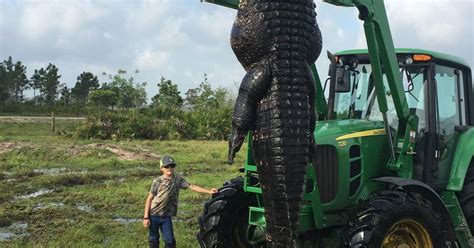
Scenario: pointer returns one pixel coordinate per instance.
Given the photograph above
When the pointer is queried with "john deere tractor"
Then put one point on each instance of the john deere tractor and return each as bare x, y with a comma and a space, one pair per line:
394, 163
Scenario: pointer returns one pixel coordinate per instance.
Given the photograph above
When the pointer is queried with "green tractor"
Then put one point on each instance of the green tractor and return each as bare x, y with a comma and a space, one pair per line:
394, 163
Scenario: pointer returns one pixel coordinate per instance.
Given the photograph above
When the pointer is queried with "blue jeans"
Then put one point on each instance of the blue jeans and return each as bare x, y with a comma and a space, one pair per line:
166, 227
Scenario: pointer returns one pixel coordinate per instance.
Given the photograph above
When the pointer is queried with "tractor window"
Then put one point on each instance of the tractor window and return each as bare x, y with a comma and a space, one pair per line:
414, 83
462, 102
449, 95
351, 105
373, 113
415, 93
361, 102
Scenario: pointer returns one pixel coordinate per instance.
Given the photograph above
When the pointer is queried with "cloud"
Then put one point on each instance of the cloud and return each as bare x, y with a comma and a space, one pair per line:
149, 60
41, 19
182, 39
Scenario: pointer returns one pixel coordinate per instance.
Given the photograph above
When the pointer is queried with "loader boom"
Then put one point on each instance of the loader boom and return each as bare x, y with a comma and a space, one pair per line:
233, 4
384, 61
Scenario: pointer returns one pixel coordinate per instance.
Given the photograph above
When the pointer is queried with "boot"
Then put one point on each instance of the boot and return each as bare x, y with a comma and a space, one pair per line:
154, 244
171, 245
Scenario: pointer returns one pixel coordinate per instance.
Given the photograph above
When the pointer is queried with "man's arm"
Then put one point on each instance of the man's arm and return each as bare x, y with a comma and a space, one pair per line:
146, 215
202, 190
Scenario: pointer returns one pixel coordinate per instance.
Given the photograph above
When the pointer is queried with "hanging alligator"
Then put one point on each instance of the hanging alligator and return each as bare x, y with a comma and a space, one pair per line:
276, 41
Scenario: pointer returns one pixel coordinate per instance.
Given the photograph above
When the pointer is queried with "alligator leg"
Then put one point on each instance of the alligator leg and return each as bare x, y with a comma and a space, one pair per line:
253, 86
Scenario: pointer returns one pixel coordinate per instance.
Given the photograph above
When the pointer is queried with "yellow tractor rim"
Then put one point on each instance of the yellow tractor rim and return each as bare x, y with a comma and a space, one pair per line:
407, 233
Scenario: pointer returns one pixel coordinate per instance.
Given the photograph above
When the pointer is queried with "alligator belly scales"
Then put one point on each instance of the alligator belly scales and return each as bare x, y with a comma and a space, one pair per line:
276, 41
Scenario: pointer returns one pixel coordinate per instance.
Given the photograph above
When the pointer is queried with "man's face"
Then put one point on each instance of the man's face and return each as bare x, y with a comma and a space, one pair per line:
168, 170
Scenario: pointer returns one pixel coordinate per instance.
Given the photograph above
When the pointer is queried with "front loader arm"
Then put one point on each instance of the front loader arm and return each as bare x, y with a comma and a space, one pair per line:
382, 52
234, 4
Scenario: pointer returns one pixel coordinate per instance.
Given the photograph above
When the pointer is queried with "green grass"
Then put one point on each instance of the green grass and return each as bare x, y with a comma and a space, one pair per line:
79, 173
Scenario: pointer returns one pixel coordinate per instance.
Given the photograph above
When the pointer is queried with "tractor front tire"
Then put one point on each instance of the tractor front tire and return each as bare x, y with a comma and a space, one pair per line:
400, 219
466, 197
225, 218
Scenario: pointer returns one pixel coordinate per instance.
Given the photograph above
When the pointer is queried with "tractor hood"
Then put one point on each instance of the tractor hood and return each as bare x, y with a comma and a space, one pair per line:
328, 132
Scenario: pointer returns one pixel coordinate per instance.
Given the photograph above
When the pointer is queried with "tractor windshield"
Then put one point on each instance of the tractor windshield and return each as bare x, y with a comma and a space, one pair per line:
360, 101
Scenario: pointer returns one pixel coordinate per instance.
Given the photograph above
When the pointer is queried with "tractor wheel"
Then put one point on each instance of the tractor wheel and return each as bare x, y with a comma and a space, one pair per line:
224, 222
466, 197
396, 219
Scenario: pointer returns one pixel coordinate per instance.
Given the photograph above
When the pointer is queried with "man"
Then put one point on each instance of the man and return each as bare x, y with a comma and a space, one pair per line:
162, 202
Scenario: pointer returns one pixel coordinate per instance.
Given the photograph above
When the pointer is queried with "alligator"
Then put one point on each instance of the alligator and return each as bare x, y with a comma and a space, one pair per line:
276, 41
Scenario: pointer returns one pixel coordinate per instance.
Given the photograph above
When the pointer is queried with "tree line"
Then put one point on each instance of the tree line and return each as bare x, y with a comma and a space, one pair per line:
118, 108
48, 89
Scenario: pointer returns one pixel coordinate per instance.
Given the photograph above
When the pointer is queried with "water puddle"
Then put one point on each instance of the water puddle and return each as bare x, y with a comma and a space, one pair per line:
84, 207
50, 171
127, 221
34, 194
49, 205
59, 171
15, 230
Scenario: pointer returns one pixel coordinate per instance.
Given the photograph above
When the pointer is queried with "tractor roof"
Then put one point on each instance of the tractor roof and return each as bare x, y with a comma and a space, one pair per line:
436, 55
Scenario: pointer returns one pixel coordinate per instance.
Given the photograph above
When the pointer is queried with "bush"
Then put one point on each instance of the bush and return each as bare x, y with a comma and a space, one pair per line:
206, 115
158, 124
119, 125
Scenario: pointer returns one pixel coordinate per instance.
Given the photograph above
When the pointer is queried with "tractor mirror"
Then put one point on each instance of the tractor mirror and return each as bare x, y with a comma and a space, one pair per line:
343, 80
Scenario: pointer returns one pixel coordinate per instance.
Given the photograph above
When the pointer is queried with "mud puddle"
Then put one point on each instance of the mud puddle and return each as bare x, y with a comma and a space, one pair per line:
84, 207
48, 205
51, 171
81, 206
34, 194
59, 171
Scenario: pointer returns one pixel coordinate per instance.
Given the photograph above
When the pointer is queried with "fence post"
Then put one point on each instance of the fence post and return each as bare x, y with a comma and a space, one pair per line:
52, 122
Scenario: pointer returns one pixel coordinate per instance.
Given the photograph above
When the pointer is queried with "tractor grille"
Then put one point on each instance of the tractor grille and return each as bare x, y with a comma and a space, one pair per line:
326, 167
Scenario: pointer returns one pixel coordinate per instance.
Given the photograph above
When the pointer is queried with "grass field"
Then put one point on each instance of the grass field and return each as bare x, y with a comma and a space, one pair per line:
58, 191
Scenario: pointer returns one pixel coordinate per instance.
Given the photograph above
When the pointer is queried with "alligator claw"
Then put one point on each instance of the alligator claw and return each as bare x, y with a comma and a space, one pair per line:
235, 142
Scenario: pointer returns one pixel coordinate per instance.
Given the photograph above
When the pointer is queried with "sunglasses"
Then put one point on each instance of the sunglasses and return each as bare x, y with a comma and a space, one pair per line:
169, 166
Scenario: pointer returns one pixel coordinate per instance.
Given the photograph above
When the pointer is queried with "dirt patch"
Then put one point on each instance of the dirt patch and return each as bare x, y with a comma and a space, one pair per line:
38, 119
122, 154
74, 150
8, 146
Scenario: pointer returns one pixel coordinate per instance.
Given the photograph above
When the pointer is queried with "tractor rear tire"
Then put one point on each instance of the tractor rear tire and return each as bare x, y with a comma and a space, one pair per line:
466, 197
399, 219
222, 225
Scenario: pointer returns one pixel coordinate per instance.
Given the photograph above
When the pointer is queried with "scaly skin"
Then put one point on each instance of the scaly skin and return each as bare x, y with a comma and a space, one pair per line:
276, 41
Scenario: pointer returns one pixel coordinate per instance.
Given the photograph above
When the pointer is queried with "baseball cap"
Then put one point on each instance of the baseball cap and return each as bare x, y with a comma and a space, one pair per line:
167, 160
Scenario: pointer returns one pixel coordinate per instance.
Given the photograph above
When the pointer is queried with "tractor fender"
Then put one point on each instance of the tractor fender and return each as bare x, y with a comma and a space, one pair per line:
418, 187
463, 156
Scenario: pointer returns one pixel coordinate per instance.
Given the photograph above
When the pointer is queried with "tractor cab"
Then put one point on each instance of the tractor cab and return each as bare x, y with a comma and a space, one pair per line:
438, 91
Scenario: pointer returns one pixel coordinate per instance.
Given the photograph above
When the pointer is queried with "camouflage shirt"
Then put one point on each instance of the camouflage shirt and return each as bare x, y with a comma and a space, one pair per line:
166, 193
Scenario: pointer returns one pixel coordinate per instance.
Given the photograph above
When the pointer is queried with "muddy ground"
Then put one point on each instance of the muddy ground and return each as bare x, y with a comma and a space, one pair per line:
58, 191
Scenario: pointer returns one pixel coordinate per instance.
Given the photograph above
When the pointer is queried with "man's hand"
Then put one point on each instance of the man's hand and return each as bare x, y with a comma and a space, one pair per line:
146, 223
202, 190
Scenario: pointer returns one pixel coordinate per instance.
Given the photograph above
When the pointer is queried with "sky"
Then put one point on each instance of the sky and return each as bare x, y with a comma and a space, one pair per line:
183, 39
